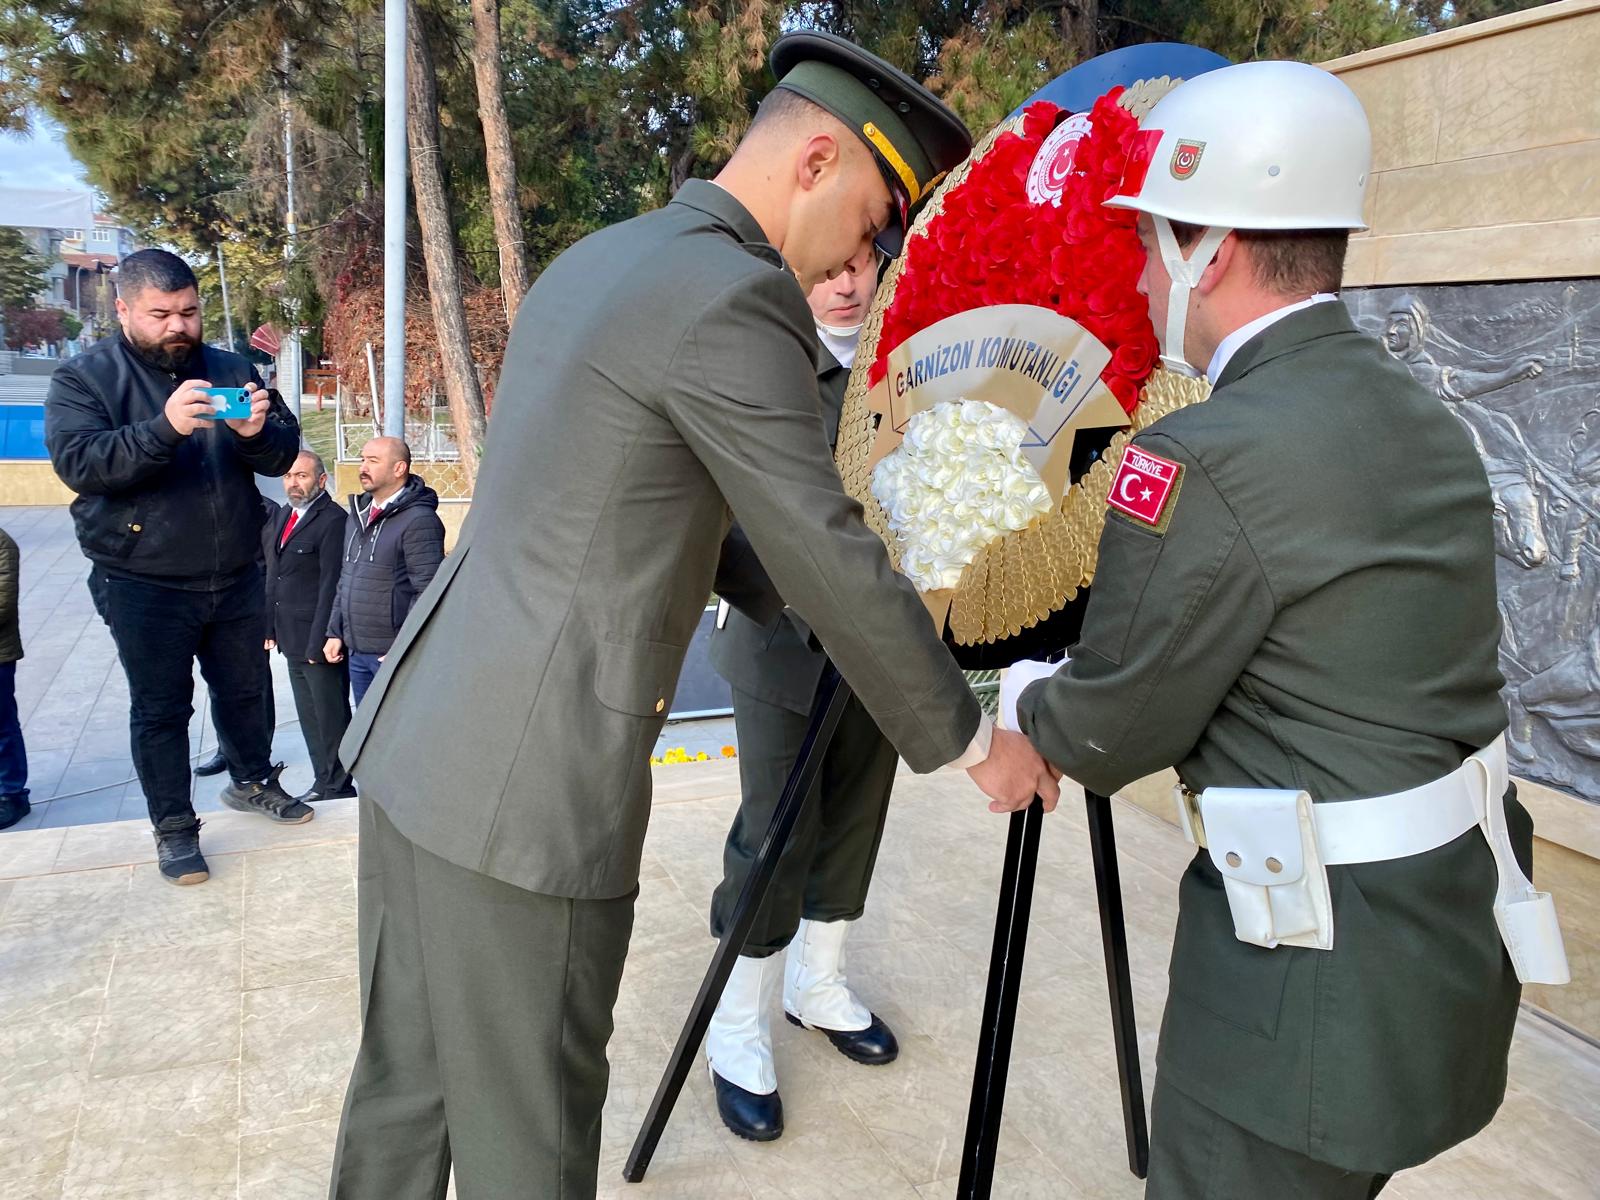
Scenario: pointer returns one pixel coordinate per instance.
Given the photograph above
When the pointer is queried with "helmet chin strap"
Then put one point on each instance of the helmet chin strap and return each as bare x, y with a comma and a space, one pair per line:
1185, 276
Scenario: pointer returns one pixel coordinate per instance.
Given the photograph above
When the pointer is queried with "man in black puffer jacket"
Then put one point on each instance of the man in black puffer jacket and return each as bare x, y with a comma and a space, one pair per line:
169, 514
394, 542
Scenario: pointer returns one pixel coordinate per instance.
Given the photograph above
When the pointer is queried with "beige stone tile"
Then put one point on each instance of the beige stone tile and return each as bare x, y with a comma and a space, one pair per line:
307, 945
292, 1163
824, 1153
299, 1043
164, 1134
1545, 183
1578, 1003
5, 894
204, 986
1072, 1112
44, 1066
1032, 1178
1550, 1063
112, 844
691, 1161
163, 915
36, 1188
30, 852
48, 914
131, 1043
1531, 1150
228, 833
916, 1107
1554, 250
62, 984
1495, 100
299, 915
694, 781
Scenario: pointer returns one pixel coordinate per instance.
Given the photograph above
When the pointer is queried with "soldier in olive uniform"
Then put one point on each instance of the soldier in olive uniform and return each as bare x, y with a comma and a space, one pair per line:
825, 870
660, 373
1296, 590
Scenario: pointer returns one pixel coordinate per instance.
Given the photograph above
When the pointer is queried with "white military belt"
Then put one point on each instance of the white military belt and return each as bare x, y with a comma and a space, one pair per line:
1395, 826
1273, 847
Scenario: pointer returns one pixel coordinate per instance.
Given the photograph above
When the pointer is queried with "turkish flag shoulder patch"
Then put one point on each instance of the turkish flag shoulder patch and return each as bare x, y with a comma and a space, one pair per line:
1145, 488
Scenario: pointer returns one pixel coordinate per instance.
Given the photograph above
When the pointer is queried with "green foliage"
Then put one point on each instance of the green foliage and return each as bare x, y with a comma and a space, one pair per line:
174, 105
22, 270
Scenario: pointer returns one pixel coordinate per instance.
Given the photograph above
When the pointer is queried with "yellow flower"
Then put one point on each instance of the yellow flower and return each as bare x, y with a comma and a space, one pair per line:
701, 757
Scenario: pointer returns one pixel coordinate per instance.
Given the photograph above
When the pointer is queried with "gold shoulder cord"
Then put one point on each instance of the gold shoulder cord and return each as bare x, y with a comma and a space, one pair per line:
1019, 579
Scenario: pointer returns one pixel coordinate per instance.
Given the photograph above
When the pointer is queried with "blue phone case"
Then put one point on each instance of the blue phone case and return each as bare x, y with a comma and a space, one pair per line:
233, 404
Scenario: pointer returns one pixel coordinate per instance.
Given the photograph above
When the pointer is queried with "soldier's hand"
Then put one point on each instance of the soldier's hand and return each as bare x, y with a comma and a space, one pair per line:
259, 404
1014, 773
333, 650
188, 406
270, 645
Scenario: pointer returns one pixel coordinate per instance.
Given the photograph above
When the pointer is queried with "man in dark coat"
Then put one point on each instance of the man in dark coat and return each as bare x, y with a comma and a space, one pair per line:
303, 547
394, 542
169, 513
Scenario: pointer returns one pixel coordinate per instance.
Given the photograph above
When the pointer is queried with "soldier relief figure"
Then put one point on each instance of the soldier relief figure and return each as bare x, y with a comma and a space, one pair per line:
1546, 518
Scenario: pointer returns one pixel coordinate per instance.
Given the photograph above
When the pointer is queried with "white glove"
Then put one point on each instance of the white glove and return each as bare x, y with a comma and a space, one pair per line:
1014, 680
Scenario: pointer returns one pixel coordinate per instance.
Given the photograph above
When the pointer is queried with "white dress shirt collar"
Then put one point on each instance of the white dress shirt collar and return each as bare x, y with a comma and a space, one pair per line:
1229, 345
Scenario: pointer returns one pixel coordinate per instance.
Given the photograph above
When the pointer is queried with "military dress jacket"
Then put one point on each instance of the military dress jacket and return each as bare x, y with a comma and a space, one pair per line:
772, 656
659, 373
1318, 613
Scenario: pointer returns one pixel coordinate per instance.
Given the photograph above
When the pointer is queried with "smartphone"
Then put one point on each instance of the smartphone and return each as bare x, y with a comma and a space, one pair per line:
230, 404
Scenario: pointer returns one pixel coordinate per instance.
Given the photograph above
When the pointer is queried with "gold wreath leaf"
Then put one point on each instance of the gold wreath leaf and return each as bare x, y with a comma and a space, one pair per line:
1020, 579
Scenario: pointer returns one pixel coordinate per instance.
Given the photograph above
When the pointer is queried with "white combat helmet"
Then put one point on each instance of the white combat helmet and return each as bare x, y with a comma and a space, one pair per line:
1261, 145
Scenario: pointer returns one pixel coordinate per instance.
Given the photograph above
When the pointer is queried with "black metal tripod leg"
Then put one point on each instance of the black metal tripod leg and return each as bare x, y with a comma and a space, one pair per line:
1119, 984
1000, 1003
833, 693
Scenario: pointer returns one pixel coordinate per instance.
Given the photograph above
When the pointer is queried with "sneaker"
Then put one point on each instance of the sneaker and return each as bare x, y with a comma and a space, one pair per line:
178, 855
268, 798
13, 808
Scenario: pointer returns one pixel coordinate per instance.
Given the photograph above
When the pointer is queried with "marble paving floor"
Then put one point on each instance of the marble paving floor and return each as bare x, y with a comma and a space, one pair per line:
194, 1043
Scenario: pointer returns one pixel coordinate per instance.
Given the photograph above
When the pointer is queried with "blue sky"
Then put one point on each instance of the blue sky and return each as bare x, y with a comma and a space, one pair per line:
39, 159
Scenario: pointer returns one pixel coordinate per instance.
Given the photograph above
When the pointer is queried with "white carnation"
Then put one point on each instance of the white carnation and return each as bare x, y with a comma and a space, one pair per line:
958, 481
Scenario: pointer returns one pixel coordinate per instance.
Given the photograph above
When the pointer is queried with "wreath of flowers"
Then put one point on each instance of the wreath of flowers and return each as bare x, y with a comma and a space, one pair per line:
991, 244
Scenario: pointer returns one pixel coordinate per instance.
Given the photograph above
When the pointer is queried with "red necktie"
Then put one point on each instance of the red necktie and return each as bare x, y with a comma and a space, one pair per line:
372, 513
288, 528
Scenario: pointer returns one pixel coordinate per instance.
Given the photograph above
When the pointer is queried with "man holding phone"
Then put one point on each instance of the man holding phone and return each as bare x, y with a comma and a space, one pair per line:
169, 514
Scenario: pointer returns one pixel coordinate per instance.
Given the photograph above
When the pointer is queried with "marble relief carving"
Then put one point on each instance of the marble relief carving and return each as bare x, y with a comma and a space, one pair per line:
1519, 366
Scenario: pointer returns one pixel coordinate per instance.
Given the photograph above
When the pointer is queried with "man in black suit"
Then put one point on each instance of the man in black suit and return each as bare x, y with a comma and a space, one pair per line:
303, 547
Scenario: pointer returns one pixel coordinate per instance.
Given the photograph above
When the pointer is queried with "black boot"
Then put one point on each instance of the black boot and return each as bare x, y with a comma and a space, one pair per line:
215, 765
178, 851
13, 808
753, 1117
873, 1046
267, 797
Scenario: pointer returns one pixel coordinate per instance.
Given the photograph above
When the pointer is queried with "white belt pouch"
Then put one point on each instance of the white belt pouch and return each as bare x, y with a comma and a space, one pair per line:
1273, 849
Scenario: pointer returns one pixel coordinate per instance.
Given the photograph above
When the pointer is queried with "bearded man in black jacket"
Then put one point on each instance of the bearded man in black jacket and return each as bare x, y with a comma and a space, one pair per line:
169, 514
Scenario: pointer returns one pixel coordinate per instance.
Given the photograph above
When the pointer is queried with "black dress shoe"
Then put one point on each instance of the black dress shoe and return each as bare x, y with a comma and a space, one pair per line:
215, 765
754, 1118
874, 1046
13, 808
314, 795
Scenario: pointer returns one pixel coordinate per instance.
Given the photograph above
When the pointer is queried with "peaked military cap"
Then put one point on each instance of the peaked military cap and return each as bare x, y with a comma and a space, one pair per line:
914, 138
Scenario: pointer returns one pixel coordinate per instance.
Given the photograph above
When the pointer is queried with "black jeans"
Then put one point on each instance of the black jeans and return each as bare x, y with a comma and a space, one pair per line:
160, 631
322, 701
13, 754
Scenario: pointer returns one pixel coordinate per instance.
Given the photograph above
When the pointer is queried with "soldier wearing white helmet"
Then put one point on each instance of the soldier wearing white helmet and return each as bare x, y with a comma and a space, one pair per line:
1295, 608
